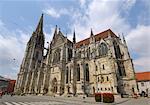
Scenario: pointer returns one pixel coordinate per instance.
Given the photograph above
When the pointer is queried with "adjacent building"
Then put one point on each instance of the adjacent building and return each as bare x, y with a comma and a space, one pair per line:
100, 63
143, 81
7, 85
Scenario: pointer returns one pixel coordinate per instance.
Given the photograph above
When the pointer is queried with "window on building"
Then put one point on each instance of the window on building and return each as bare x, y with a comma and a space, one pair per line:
142, 83
103, 67
105, 88
107, 78
98, 79
121, 69
87, 72
70, 75
88, 52
78, 72
112, 88
117, 50
108, 88
96, 67
101, 88
79, 54
56, 56
67, 72
69, 54
103, 49
102, 79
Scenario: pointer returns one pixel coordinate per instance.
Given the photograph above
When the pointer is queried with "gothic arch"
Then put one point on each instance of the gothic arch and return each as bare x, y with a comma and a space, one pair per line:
103, 49
117, 50
54, 85
57, 55
87, 73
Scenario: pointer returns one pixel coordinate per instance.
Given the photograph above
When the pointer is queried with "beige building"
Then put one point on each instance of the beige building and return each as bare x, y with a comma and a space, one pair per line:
143, 81
100, 63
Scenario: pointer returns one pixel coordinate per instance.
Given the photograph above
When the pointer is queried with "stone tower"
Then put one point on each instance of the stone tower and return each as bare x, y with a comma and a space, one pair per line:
32, 60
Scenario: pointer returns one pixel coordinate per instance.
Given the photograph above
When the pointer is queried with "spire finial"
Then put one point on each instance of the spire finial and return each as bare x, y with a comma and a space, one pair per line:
40, 25
91, 32
55, 30
74, 37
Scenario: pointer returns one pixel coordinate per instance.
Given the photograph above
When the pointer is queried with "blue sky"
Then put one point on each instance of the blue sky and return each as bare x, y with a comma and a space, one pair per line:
18, 19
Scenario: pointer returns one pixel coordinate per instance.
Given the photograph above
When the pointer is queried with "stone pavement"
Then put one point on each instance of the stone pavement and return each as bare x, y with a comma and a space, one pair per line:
47, 100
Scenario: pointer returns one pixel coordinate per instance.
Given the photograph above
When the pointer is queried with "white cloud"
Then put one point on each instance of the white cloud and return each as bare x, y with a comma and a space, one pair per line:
103, 14
82, 2
56, 13
99, 15
139, 41
12, 46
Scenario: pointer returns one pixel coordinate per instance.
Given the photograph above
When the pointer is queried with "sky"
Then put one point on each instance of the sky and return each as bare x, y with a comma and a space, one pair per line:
19, 18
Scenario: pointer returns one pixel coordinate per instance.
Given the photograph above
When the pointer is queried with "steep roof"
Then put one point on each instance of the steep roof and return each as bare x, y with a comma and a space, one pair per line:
142, 76
97, 37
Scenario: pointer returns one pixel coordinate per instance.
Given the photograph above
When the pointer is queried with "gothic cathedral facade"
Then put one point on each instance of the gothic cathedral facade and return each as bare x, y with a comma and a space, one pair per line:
100, 63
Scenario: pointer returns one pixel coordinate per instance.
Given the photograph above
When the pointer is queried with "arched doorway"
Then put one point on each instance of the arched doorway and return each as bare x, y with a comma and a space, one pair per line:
54, 85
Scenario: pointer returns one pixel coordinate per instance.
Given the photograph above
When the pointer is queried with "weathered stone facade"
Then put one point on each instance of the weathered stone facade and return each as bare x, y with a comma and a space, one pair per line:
100, 63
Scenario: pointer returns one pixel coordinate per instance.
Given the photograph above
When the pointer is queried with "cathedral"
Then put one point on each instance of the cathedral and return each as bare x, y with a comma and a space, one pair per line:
99, 63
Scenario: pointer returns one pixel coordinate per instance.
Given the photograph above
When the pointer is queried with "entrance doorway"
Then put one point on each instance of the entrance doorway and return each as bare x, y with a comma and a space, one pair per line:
54, 85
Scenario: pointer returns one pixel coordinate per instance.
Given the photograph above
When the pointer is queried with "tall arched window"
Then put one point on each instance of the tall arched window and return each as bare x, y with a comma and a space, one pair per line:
69, 54
78, 72
87, 72
79, 54
117, 50
67, 76
103, 49
56, 56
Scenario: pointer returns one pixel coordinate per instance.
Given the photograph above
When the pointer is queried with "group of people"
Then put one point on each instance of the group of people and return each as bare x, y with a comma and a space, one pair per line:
3, 93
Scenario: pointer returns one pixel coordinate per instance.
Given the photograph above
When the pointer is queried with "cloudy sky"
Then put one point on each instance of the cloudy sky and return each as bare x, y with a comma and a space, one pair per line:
18, 19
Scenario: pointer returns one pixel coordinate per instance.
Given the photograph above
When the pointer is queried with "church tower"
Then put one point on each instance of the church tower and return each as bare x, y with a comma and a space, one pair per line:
32, 59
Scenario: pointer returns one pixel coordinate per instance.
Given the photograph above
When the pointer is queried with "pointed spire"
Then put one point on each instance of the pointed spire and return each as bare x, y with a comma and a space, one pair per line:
55, 30
40, 25
91, 32
124, 40
74, 37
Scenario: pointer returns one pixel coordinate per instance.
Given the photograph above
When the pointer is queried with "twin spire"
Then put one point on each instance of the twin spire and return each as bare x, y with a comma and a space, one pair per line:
39, 28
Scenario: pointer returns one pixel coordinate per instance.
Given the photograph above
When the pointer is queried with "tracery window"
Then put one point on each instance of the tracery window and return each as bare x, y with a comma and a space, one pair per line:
117, 50
87, 72
69, 54
56, 56
78, 72
79, 54
103, 49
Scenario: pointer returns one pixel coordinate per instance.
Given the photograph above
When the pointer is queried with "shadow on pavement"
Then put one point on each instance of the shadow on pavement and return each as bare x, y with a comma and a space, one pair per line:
121, 102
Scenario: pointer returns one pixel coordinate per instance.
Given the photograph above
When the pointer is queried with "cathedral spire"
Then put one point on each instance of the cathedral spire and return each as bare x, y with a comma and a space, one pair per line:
40, 25
124, 41
55, 33
91, 32
74, 37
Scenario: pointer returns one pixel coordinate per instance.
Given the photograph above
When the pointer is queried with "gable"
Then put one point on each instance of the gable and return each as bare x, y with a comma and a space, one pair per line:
58, 39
